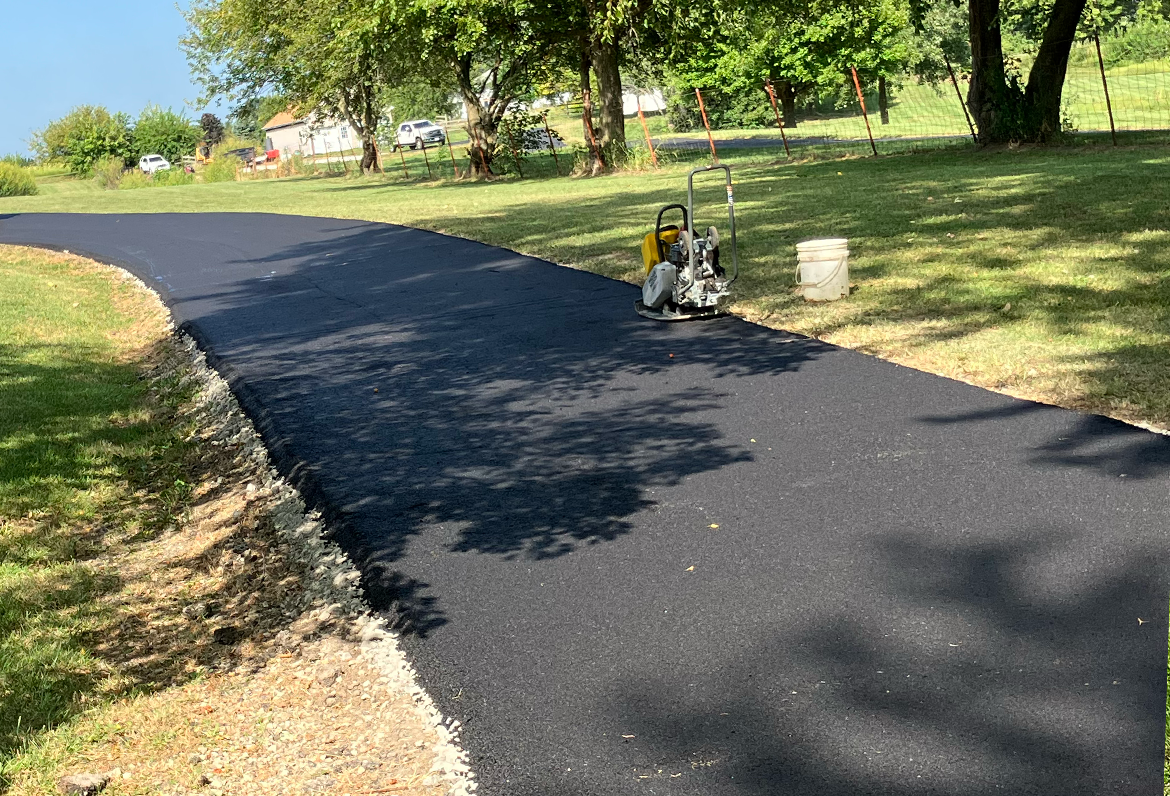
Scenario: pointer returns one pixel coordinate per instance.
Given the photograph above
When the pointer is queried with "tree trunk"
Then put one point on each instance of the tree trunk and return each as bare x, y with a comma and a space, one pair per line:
596, 158
369, 152
480, 124
358, 107
883, 100
1046, 79
988, 95
787, 102
604, 55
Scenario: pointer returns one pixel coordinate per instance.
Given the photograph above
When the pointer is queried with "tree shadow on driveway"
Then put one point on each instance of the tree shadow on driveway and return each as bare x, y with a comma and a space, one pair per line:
497, 403
948, 701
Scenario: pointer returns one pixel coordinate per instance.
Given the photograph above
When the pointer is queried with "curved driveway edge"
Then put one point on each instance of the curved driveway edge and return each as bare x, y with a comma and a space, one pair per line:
761, 565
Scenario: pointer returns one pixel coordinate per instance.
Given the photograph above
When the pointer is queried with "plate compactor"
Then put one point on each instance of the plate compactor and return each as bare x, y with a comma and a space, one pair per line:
684, 277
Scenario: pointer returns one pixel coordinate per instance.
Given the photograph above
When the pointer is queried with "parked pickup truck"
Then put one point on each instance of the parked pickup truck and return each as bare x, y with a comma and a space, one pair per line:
418, 134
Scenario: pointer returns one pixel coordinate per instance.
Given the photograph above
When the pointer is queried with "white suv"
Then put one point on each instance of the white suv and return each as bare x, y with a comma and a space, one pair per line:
419, 133
152, 163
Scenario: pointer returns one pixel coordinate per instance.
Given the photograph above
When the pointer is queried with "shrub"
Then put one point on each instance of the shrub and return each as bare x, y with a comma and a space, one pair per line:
107, 172
212, 127
222, 168
298, 165
1147, 39
17, 160
134, 178
161, 131
16, 181
173, 176
84, 136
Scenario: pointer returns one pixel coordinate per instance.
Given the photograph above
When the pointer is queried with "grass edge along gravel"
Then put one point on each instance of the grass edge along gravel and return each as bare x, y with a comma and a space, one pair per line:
327, 603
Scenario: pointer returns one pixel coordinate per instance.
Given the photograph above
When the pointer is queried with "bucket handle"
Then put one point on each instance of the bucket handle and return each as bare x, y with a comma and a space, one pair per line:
832, 275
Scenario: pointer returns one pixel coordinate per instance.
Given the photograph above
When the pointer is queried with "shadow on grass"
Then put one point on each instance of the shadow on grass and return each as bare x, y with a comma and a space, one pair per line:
93, 462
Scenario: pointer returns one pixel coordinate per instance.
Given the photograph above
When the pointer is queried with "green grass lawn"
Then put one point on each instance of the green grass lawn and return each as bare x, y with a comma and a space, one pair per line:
79, 438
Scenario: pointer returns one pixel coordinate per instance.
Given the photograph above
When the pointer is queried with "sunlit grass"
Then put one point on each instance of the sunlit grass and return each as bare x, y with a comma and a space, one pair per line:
77, 439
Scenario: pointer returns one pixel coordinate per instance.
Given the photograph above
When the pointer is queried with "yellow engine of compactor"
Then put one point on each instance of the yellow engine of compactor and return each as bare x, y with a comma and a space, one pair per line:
651, 256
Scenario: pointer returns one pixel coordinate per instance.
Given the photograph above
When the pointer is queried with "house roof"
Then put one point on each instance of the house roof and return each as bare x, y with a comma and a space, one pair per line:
282, 119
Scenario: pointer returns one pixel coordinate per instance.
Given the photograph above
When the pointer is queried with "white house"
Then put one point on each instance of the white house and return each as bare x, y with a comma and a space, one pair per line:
309, 135
652, 102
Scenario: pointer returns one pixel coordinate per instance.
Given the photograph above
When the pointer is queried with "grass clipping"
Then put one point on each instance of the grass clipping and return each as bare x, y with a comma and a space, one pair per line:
255, 665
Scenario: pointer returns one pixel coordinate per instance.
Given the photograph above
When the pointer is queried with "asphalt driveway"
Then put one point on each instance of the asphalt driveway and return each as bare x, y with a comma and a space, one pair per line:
697, 559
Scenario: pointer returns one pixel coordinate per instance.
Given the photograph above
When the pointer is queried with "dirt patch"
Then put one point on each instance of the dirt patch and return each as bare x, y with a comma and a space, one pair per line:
323, 718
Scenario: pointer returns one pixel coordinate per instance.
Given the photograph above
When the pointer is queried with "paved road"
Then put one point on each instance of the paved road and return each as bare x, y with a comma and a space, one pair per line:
915, 586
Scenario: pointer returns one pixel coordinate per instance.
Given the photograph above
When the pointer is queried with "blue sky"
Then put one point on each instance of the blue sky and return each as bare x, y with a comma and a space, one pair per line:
61, 53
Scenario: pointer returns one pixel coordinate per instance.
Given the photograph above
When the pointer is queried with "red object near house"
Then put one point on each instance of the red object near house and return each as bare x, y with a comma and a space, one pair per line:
272, 154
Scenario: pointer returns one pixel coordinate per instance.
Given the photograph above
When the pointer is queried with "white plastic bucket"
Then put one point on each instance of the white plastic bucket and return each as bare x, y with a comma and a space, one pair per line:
822, 269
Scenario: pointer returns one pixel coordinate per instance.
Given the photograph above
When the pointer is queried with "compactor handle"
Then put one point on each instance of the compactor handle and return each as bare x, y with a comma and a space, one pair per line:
658, 228
730, 215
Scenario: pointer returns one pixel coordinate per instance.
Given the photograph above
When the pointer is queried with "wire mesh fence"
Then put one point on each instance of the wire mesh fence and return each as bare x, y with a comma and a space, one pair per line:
910, 114
1135, 95
1105, 100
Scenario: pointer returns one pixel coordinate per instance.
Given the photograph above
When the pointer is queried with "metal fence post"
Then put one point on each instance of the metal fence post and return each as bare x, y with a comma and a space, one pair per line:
1105, 85
515, 156
551, 146
864, 115
706, 124
646, 131
427, 160
959, 94
779, 121
451, 152
402, 157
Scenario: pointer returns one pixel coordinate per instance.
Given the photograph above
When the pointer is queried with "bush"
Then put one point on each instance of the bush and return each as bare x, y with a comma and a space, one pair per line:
161, 131
1147, 39
222, 168
15, 181
212, 127
17, 160
84, 136
107, 172
298, 165
175, 175
135, 179
160, 179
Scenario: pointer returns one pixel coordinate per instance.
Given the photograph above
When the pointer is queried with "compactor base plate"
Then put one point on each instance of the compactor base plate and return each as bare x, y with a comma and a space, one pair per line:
677, 314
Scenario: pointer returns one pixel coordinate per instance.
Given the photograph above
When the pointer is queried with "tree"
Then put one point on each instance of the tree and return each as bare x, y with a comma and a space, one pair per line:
161, 131
212, 127
805, 50
495, 50
939, 39
1004, 111
248, 118
421, 98
86, 134
325, 57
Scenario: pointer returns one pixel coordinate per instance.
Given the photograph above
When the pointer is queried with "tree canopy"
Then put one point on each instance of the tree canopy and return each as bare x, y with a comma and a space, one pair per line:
352, 59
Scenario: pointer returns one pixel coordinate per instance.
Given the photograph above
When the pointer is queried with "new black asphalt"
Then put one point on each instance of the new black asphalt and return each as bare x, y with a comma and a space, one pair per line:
697, 559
